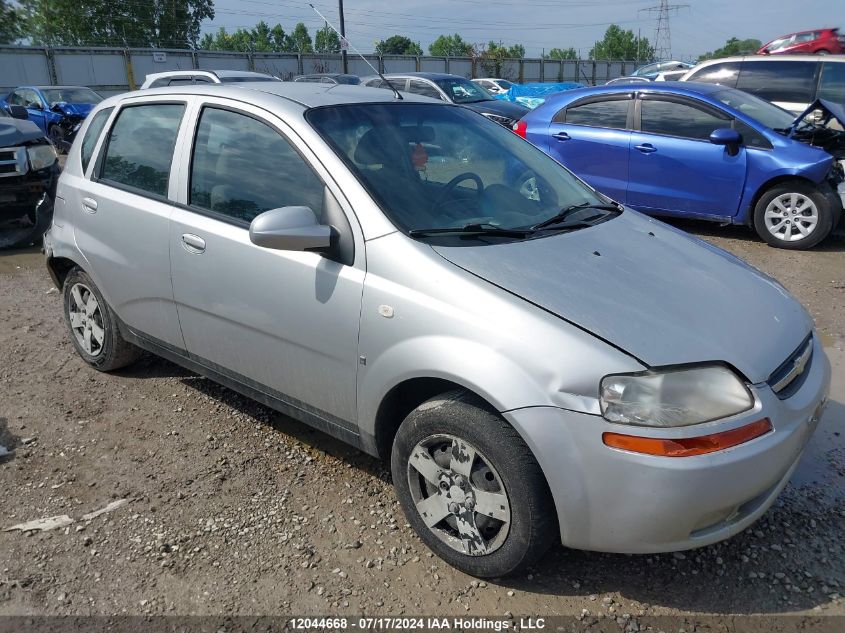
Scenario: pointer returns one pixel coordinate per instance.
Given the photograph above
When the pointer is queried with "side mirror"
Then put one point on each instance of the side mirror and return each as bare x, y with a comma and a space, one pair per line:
290, 229
18, 112
728, 137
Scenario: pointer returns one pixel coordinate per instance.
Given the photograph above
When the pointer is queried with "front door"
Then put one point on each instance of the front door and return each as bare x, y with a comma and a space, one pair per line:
284, 323
674, 168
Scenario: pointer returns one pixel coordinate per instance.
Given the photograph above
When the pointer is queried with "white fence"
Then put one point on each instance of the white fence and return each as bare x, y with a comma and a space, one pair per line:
113, 70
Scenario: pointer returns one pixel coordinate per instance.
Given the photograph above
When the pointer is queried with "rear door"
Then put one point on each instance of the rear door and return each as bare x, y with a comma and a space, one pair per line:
591, 137
674, 168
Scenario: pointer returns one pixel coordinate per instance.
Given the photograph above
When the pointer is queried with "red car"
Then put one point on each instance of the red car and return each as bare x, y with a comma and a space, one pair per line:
818, 42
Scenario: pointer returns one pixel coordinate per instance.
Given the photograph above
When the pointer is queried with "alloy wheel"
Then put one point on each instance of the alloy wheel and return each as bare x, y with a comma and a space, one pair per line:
791, 217
86, 319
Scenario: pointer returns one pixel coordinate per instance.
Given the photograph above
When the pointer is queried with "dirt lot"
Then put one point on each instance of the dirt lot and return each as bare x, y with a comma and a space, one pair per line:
235, 509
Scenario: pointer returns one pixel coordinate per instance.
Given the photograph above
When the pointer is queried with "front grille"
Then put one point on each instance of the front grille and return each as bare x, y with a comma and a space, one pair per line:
12, 161
788, 378
501, 120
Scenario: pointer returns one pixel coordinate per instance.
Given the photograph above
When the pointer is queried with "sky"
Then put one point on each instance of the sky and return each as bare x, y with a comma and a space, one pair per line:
697, 27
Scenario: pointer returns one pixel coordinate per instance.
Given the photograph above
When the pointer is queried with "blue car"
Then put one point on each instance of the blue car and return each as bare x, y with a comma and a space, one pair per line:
701, 151
57, 110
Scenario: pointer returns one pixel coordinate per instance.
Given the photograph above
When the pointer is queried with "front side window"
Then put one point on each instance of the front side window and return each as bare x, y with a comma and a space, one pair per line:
679, 119
832, 85
610, 114
779, 80
724, 74
423, 88
432, 166
766, 113
242, 167
93, 132
140, 146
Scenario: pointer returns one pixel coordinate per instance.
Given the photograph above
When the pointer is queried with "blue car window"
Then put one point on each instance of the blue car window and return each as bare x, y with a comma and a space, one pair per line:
679, 119
609, 114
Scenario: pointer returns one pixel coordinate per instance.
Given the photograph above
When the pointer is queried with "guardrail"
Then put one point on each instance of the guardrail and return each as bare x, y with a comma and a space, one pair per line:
113, 70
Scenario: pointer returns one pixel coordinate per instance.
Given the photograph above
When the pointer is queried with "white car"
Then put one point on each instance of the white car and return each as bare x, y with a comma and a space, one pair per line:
188, 77
494, 86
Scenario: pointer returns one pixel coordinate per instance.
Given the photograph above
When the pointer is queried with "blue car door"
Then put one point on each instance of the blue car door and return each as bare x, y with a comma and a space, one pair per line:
674, 168
591, 137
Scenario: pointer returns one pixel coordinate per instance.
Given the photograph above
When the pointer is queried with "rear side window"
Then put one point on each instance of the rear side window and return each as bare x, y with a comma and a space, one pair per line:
832, 85
93, 132
724, 74
609, 114
140, 147
784, 81
679, 119
242, 167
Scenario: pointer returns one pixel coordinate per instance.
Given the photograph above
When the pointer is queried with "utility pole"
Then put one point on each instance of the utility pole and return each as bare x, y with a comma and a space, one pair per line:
342, 38
662, 35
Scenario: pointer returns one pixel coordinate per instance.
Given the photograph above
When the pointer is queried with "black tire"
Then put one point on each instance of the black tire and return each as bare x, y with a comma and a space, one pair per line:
823, 198
114, 352
57, 136
533, 522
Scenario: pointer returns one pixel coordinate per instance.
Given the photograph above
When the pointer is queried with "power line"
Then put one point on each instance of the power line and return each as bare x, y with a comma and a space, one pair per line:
662, 35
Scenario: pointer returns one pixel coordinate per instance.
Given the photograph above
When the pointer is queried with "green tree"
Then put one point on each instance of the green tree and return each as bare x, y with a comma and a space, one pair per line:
299, 41
277, 34
398, 45
450, 46
733, 46
563, 54
327, 41
11, 20
619, 43
155, 23
261, 35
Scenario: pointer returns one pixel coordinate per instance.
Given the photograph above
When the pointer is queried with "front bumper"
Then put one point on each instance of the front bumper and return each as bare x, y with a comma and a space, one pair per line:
21, 194
618, 501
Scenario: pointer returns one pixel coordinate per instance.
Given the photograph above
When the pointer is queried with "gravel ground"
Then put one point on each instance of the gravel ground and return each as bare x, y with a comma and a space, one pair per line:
231, 508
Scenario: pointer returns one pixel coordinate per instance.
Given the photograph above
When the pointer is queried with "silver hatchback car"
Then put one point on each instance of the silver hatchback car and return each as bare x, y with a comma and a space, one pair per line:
537, 362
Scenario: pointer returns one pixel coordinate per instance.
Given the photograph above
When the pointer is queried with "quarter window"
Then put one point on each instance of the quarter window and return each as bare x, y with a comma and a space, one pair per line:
93, 132
140, 147
833, 82
242, 167
609, 114
779, 80
679, 119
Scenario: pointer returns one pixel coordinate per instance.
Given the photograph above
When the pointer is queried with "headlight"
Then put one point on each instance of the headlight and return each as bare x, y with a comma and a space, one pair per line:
41, 156
674, 397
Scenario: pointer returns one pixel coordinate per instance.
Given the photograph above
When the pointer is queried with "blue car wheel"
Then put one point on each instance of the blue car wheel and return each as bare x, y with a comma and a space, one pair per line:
795, 215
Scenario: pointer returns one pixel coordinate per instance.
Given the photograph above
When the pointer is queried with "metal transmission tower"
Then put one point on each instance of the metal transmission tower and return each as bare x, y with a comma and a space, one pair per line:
662, 35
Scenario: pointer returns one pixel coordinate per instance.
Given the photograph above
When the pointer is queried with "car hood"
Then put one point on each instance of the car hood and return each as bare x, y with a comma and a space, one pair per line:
73, 109
502, 108
823, 135
651, 290
829, 109
16, 132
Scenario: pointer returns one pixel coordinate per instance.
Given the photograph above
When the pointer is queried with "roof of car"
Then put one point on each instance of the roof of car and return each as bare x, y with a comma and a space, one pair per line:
309, 95
772, 58
432, 76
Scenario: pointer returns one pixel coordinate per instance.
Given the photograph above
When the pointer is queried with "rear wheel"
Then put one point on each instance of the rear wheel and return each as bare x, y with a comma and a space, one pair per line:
471, 488
795, 215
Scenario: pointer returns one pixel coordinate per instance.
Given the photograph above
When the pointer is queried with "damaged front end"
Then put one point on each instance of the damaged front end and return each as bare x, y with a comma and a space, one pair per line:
65, 130
822, 125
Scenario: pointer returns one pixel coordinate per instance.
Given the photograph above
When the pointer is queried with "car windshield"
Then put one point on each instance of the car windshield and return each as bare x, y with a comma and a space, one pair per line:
645, 70
239, 79
441, 167
779, 43
463, 90
766, 113
71, 95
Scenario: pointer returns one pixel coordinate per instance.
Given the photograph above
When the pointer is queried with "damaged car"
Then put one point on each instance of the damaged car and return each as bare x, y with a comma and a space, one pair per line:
702, 151
29, 171
57, 110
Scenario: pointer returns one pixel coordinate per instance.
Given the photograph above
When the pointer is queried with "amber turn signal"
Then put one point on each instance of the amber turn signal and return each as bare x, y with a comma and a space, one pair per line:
688, 446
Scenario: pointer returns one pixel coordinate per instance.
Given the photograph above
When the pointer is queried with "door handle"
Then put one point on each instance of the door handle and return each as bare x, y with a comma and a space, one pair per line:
561, 136
193, 243
89, 205
646, 148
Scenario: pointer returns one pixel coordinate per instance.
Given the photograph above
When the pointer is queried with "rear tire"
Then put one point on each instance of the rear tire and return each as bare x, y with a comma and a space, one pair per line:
795, 215
93, 326
484, 495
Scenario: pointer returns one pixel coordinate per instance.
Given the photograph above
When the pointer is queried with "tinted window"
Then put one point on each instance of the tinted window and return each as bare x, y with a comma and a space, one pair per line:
679, 119
422, 88
610, 114
202, 80
723, 74
140, 147
158, 83
242, 167
92, 134
247, 79
180, 81
833, 82
779, 80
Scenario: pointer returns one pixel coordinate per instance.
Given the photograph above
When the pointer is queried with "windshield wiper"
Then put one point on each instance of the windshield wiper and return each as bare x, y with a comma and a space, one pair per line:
567, 211
472, 229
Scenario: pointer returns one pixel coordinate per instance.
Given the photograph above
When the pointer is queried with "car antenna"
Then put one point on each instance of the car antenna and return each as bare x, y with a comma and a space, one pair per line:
343, 38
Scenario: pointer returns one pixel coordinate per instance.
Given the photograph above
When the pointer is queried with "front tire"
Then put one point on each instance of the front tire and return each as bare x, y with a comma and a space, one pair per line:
471, 488
93, 325
57, 137
794, 215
